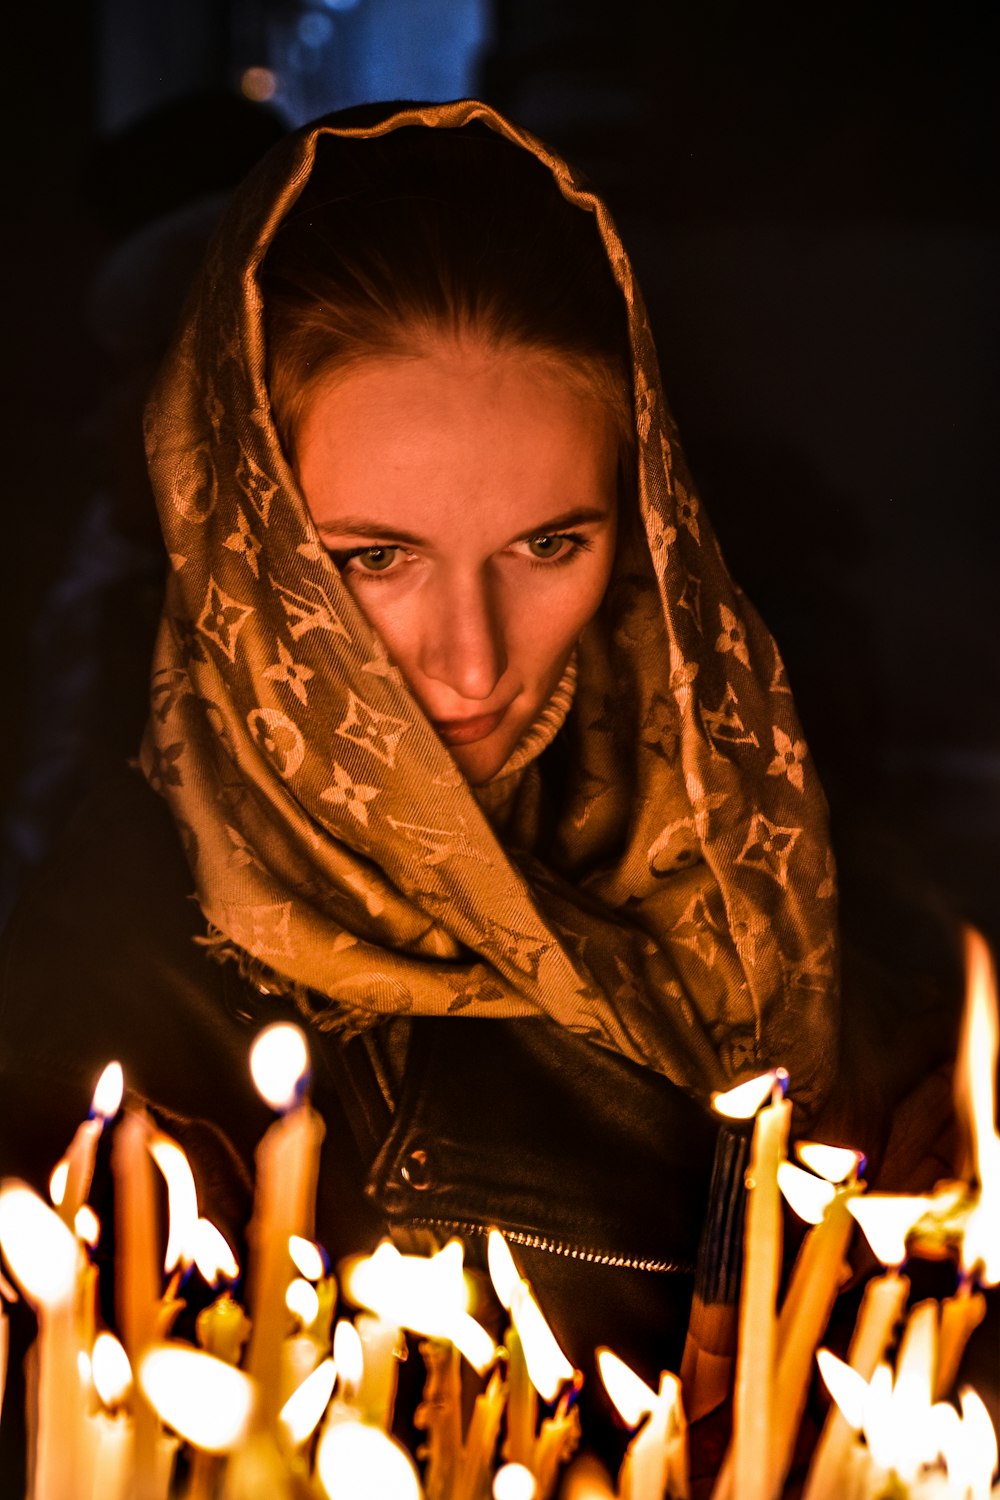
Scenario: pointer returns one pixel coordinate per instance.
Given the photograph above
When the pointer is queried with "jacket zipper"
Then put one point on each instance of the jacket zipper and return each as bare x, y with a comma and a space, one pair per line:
463, 1227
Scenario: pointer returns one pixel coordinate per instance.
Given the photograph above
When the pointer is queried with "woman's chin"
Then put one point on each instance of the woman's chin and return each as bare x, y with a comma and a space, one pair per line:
480, 762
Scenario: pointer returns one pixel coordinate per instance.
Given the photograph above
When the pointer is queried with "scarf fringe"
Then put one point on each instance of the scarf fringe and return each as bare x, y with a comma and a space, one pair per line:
320, 1011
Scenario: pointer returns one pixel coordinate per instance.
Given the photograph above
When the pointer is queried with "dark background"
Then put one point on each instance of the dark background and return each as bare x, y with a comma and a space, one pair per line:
808, 195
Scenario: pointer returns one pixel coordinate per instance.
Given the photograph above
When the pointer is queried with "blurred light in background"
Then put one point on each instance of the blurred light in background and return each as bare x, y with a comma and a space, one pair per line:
258, 84
305, 57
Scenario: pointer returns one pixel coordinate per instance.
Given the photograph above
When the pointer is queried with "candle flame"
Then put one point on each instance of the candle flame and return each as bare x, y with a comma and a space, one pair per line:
204, 1399
886, 1219
547, 1365
881, 1432
87, 1225
505, 1276
57, 1182
910, 1434
108, 1094
846, 1386
807, 1196
212, 1254
834, 1163
975, 1078
307, 1258
631, 1397
514, 1482
42, 1252
110, 1370
979, 1454
426, 1294
945, 1430
743, 1101
904, 1431
357, 1462
301, 1413
302, 1301
182, 1200
279, 1061
348, 1355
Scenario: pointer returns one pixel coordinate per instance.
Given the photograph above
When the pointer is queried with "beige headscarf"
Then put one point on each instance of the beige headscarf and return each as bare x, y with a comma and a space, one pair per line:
669, 894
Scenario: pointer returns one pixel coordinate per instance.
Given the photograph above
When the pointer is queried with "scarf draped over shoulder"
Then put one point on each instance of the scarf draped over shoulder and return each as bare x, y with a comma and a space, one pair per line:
661, 880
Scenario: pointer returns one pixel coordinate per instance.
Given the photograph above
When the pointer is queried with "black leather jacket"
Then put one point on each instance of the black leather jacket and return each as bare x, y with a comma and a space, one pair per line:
596, 1169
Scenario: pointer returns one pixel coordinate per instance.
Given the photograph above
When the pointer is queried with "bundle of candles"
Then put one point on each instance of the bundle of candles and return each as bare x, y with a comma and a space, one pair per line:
286, 1399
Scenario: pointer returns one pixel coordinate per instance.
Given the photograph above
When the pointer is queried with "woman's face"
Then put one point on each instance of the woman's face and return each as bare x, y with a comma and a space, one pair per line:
468, 497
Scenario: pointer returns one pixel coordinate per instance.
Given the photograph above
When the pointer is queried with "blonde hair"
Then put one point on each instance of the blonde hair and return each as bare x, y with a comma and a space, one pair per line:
403, 238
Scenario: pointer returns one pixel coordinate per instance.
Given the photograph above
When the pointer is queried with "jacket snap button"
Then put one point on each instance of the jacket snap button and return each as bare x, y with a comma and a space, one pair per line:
415, 1171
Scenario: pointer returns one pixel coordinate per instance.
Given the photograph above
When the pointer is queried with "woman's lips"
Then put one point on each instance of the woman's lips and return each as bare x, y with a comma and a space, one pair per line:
468, 731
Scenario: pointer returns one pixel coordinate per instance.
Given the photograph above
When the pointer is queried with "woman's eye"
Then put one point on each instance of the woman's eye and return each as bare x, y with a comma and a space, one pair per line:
547, 546
368, 559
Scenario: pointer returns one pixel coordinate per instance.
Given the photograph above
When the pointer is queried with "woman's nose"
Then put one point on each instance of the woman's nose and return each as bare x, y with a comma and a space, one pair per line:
464, 643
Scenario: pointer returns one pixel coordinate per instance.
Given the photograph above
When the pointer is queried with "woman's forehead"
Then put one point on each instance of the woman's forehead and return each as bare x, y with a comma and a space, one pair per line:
452, 434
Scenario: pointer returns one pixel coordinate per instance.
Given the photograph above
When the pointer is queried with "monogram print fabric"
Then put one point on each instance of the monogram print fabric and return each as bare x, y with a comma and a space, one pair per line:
669, 892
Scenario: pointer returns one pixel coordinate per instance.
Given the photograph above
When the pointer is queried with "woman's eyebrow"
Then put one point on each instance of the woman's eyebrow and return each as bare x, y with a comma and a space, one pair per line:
578, 517
361, 526
364, 526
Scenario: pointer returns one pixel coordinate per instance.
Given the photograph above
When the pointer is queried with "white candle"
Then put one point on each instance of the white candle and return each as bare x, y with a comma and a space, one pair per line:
376, 1392
883, 1302
59, 1432
753, 1397
138, 1277
440, 1416
481, 1441
647, 1463
284, 1204
522, 1403
557, 1441
112, 1437
961, 1315
818, 1275
82, 1151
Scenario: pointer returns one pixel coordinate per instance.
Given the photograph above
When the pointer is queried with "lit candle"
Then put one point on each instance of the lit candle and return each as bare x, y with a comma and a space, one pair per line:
535, 1363
818, 1275
558, 1439
303, 1411
109, 1430
975, 1099
440, 1416
753, 1396
655, 1462
976, 1076
522, 1403
222, 1328
961, 1315
881, 1306
427, 1295
138, 1277
908, 1444
284, 1202
82, 1153
112, 1435
972, 1454
481, 1440
380, 1347
45, 1260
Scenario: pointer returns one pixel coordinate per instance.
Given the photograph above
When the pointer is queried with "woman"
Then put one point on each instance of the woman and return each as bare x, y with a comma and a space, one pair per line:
478, 759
